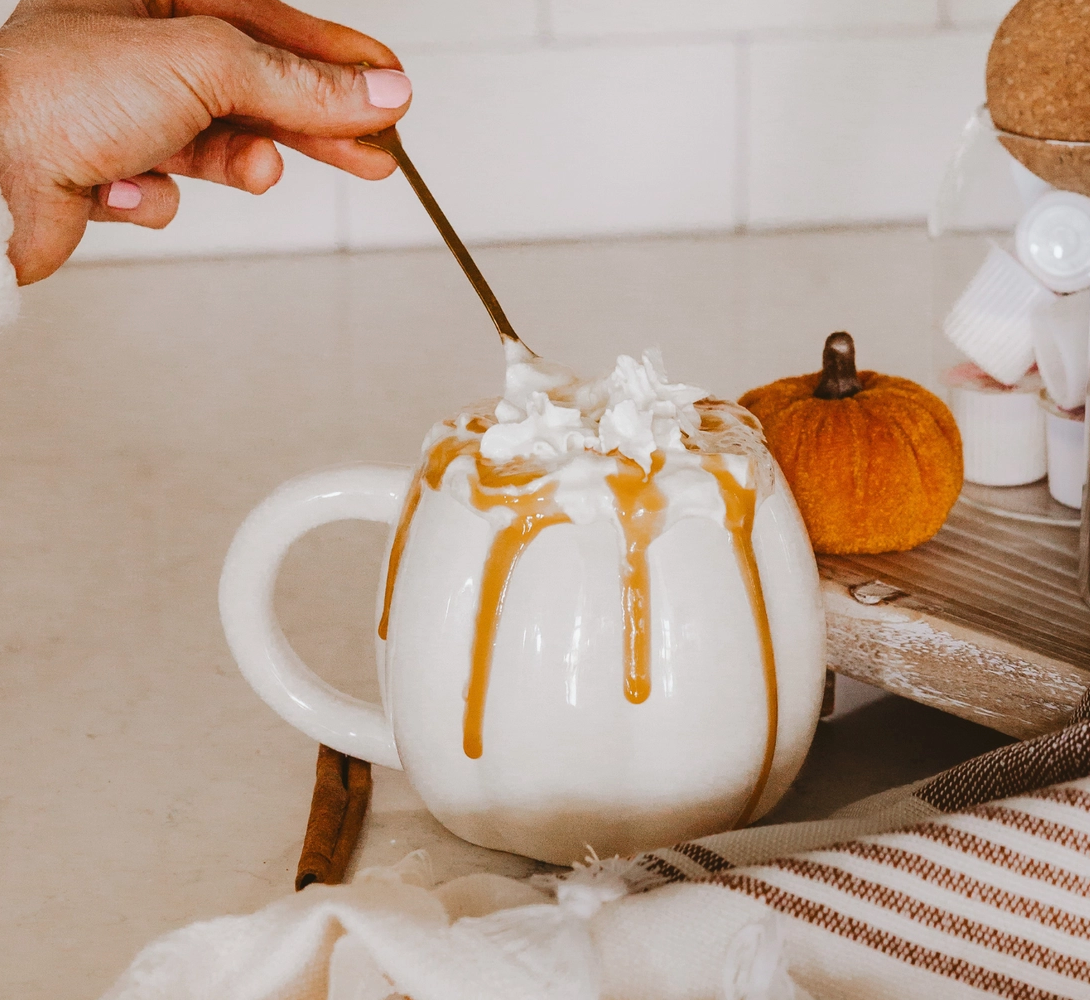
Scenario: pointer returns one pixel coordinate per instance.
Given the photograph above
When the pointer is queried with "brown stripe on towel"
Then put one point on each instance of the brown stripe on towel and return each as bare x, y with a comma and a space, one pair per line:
1034, 826
711, 862
936, 918
1002, 856
859, 931
660, 866
1012, 770
965, 885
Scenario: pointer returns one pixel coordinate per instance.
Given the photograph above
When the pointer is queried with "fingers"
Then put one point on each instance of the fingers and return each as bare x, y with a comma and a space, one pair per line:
277, 24
149, 200
346, 154
251, 82
224, 154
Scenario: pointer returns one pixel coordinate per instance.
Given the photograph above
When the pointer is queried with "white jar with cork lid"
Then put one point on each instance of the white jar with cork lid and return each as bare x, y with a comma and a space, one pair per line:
1011, 318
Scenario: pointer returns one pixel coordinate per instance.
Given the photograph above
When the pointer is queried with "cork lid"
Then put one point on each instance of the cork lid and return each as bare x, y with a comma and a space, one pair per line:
1037, 78
1039, 89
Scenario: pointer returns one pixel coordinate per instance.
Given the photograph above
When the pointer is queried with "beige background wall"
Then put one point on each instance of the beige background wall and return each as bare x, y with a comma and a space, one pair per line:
541, 119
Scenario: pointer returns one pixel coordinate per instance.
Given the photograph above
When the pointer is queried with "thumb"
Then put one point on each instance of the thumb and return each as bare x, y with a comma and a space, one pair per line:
247, 80
48, 227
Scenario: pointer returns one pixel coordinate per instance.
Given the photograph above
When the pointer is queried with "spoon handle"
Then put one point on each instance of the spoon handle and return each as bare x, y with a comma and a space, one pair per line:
389, 141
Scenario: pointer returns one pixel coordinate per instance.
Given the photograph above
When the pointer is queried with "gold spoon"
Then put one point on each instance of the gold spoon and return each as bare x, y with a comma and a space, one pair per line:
390, 142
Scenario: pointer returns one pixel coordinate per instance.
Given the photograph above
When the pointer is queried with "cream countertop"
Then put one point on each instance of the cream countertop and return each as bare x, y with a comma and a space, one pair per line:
145, 408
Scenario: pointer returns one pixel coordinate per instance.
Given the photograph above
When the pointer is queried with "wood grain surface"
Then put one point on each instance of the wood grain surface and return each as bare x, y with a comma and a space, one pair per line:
983, 621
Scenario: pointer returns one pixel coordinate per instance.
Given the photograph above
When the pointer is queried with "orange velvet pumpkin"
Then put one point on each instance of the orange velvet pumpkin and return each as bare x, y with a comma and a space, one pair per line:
874, 461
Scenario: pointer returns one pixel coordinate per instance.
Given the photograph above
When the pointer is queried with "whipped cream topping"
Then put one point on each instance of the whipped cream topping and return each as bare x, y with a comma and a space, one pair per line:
548, 413
573, 429
540, 429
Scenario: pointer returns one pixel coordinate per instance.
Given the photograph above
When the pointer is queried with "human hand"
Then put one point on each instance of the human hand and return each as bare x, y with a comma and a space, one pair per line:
101, 100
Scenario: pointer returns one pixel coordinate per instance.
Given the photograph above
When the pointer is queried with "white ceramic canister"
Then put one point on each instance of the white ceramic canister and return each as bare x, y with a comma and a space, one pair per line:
1067, 451
1002, 427
566, 759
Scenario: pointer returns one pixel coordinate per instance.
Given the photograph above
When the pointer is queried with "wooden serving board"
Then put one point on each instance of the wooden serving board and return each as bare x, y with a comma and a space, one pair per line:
984, 621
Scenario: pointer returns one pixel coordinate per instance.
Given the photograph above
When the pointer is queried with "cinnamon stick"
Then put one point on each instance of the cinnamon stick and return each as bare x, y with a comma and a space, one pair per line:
342, 791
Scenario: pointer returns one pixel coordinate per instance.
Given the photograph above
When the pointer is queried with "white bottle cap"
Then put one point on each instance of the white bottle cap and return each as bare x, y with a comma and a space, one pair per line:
1066, 431
1002, 427
1053, 240
991, 322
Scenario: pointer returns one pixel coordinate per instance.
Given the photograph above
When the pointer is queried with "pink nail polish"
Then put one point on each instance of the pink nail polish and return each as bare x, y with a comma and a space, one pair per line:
124, 194
387, 88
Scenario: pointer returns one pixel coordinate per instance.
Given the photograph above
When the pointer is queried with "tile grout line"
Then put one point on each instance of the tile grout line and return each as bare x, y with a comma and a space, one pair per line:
742, 111
944, 18
665, 236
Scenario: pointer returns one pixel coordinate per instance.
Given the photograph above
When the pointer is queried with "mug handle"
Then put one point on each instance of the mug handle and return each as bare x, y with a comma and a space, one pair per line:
266, 659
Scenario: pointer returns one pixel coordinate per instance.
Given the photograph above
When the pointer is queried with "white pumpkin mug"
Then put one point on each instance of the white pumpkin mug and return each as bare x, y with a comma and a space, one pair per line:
566, 761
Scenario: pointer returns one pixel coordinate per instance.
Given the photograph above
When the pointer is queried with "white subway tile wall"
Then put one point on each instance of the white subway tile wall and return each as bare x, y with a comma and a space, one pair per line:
856, 130
544, 119
558, 142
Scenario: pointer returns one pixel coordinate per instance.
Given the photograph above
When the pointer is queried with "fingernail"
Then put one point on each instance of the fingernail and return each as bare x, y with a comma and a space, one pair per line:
124, 194
387, 88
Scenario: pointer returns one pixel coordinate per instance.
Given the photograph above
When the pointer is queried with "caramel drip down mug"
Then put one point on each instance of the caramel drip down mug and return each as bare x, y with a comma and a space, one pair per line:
550, 686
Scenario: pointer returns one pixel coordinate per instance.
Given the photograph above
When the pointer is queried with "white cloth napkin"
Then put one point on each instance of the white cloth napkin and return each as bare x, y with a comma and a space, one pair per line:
480, 937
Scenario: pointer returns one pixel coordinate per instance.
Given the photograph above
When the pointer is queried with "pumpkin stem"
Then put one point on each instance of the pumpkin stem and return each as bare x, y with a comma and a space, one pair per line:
838, 376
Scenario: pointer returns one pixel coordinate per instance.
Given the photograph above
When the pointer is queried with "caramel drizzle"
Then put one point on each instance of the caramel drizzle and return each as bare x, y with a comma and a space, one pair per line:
432, 471
741, 507
479, 424
641, 509
533, 513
